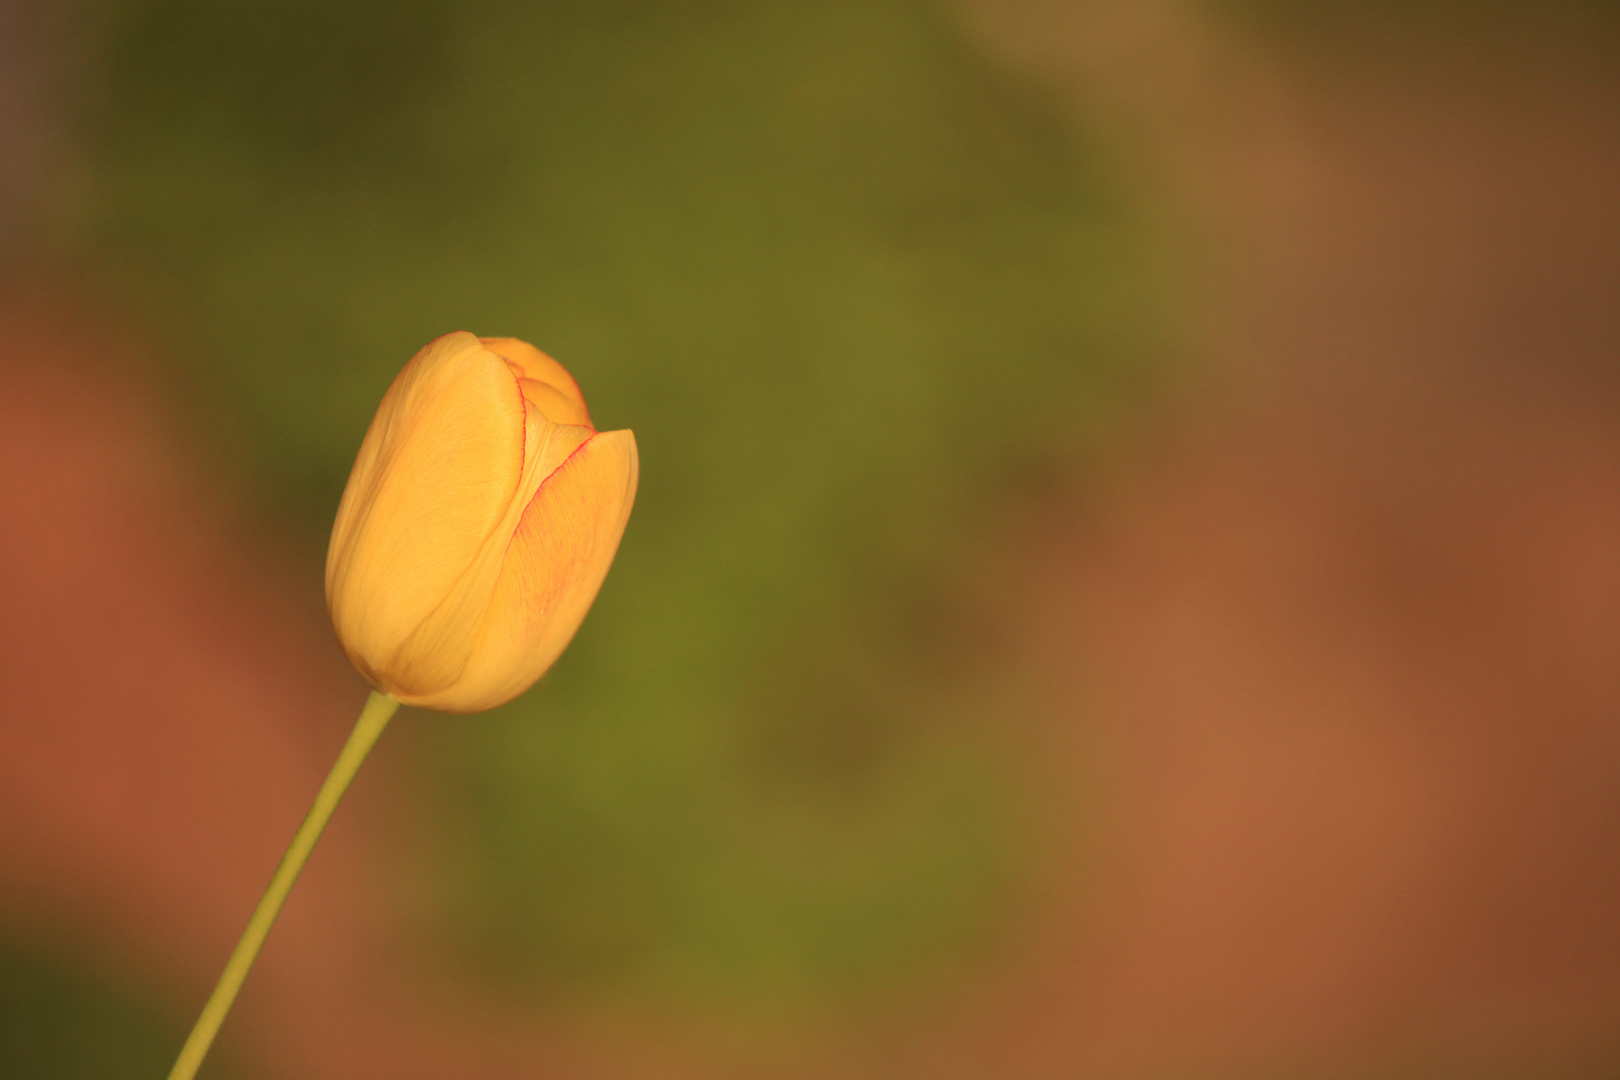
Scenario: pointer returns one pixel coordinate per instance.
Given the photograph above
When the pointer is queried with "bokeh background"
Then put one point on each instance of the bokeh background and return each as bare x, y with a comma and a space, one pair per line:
1125, 583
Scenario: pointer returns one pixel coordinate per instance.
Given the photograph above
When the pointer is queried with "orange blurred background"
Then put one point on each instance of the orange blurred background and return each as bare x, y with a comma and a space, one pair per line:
1125, 583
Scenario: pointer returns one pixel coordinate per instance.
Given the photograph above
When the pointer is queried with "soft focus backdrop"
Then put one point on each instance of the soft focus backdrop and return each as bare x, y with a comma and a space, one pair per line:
1125, 583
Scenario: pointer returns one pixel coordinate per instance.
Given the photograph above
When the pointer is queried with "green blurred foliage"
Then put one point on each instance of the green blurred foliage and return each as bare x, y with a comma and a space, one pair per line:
61, 1022
847, 283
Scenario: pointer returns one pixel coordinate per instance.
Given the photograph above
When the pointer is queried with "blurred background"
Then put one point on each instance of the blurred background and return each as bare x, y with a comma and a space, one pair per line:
1124, 582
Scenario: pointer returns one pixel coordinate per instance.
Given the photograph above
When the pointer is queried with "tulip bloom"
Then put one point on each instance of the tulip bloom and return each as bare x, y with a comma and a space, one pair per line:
481, 516
479, 521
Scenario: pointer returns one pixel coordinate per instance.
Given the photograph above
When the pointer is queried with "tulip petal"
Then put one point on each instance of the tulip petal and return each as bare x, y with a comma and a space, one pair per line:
558, 557
564, 404
556, 407
435, 653
439, 469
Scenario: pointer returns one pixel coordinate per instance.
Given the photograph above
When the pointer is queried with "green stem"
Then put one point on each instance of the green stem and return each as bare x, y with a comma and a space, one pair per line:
373, 718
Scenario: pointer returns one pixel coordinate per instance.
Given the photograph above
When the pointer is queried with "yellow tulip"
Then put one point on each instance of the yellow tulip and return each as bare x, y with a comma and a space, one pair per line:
481, 517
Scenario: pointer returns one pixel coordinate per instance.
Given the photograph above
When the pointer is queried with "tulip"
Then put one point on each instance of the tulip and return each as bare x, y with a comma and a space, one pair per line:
478, 523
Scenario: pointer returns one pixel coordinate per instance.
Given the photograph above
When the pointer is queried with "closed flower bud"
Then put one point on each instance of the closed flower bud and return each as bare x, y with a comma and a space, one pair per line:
481, 516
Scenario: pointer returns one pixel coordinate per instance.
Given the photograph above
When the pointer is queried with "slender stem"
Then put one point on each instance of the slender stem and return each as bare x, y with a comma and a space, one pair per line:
373, 718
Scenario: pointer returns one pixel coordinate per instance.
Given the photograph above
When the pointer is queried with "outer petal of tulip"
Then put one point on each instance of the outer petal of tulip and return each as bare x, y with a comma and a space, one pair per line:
437, 473
552, 570
433, 656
